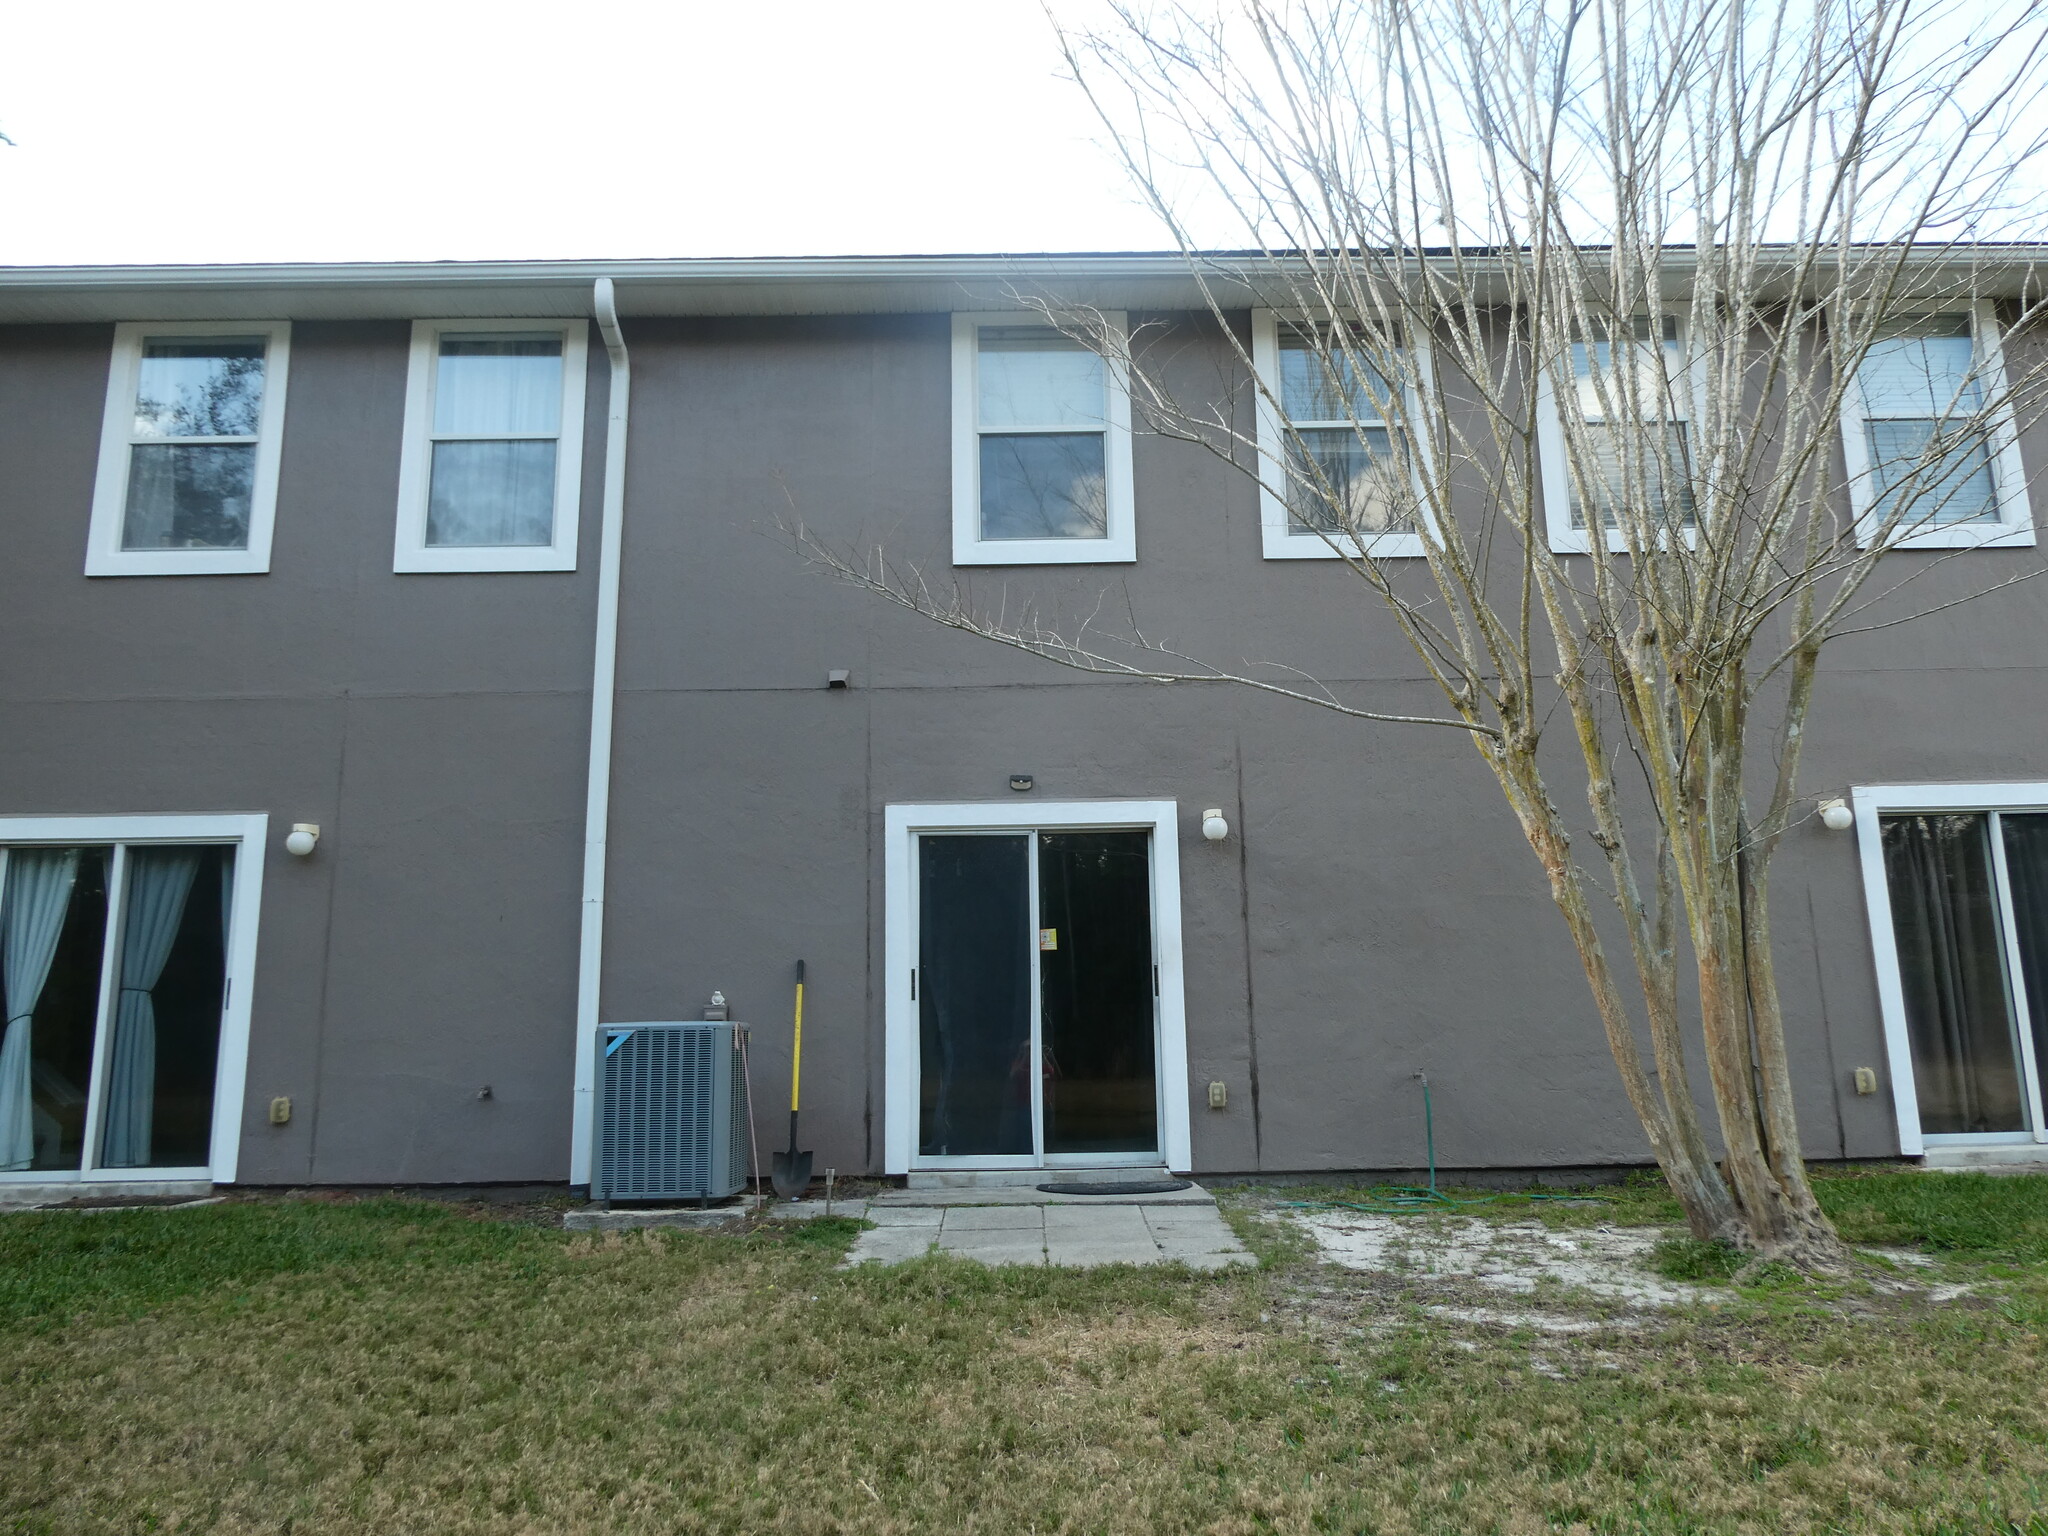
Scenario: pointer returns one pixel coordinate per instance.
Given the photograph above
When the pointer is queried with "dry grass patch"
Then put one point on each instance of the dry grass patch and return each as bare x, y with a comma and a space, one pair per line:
406, 1369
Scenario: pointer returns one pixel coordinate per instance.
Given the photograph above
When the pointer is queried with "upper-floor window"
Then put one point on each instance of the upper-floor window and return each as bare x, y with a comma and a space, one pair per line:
493, 457
1627, 443
189, 446
1927, 439
1041, 445
1329, 471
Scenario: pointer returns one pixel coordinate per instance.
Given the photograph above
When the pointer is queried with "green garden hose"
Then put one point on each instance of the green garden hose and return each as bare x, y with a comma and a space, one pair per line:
1411, 1200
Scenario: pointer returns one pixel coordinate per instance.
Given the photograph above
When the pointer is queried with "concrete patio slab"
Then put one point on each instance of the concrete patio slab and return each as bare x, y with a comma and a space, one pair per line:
1105, 1224
1052, 1232
1193, 1195
989, 1218
904, 1215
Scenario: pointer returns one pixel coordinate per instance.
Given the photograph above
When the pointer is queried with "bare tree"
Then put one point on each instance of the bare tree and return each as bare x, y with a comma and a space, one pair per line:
1657, 251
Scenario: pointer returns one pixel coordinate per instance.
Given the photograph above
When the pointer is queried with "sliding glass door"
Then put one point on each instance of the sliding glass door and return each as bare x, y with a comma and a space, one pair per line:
1036, 990
1968, 891
114, 970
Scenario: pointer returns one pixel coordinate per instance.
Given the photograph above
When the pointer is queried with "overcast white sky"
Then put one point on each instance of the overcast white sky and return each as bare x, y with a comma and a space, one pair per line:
444, 129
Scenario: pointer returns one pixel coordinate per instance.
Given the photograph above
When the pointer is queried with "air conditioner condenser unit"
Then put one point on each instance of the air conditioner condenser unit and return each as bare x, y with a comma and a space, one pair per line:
670, 1115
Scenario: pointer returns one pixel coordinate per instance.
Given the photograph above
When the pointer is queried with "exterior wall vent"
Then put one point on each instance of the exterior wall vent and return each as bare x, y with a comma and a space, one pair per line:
671, 1112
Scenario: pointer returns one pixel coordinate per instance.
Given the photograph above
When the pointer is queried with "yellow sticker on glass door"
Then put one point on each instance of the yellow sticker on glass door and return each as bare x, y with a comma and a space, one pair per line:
1048, 938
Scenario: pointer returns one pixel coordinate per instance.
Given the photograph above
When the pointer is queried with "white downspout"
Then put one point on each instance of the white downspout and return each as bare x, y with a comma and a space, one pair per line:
603, 676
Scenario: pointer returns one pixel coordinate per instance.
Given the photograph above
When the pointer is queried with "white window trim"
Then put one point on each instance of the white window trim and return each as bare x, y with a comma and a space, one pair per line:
969, 547
1870, 801
416, 455
104, 555
1554, 467
2015, 525
900, 1096
247, 834
1277, 537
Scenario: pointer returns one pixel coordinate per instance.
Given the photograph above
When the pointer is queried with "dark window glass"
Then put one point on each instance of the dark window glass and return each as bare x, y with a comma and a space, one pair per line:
974, 996
1095, 990
2026, 868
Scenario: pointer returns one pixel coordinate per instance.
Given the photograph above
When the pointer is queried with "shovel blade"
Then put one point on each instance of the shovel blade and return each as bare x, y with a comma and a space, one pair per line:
791, 1174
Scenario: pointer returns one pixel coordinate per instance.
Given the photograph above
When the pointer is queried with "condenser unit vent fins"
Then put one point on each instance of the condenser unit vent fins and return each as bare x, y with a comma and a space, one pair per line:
671, 1112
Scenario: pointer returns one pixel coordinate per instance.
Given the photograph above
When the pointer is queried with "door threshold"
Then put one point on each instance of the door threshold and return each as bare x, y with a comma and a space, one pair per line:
1011, 1178
28, 1195
2032, 1155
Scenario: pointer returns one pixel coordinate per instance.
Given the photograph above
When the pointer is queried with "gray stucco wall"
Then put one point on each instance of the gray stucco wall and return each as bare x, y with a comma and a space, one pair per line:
1374, 912
435, 726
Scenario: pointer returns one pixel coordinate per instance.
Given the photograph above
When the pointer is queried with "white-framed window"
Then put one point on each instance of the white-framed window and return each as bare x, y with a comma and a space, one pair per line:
1956, 877
1342, 445
127, 953
492, 465
1613, 375
1041, 445
1914, 422
189, 449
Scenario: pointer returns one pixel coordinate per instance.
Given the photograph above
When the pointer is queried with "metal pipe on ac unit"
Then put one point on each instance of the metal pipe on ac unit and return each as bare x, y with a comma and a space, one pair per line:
603, 695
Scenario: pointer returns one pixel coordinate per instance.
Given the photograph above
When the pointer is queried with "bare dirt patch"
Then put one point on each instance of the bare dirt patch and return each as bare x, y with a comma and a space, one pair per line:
1519, 1257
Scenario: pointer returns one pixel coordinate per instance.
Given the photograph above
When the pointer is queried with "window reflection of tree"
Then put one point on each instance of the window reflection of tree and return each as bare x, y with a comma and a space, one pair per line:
186, 495
226, 402
1043, 485
1333, 469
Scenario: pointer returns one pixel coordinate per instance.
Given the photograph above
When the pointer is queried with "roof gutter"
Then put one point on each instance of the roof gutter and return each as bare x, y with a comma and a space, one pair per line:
604, 669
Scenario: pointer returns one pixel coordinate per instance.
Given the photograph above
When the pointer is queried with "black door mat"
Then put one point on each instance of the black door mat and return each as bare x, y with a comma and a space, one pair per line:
1136, 1187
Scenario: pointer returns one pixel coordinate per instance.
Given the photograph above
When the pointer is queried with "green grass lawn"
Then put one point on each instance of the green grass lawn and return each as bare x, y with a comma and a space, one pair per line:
388, 1366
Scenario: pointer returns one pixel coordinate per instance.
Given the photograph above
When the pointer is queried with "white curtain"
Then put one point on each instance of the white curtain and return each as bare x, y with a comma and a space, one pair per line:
32, 909
492, 385
159, 880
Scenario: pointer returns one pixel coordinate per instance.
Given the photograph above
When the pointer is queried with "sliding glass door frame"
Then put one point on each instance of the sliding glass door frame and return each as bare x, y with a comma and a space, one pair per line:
905, 823
1871, 802
121, 834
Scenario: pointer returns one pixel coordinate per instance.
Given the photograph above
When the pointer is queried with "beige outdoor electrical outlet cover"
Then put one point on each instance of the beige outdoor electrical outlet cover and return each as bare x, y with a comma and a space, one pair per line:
1219, 1095
280, 1110
1866, 1080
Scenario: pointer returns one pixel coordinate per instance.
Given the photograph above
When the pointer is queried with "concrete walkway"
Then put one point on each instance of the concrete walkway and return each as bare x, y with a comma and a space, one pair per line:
1183, 1232
997, 1225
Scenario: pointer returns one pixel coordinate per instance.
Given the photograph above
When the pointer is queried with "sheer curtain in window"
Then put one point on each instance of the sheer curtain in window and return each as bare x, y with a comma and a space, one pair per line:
497, 414
1952, 970
32, 910
159, 880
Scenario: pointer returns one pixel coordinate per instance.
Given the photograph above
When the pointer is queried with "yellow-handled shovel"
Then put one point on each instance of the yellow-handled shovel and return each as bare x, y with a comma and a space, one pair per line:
791, 1170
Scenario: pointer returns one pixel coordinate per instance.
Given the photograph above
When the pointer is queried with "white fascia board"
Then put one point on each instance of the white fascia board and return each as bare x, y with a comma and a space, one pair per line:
788, 285
561, 289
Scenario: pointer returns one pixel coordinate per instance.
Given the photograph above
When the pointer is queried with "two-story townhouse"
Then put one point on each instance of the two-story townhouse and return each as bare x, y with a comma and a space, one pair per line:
388, 700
